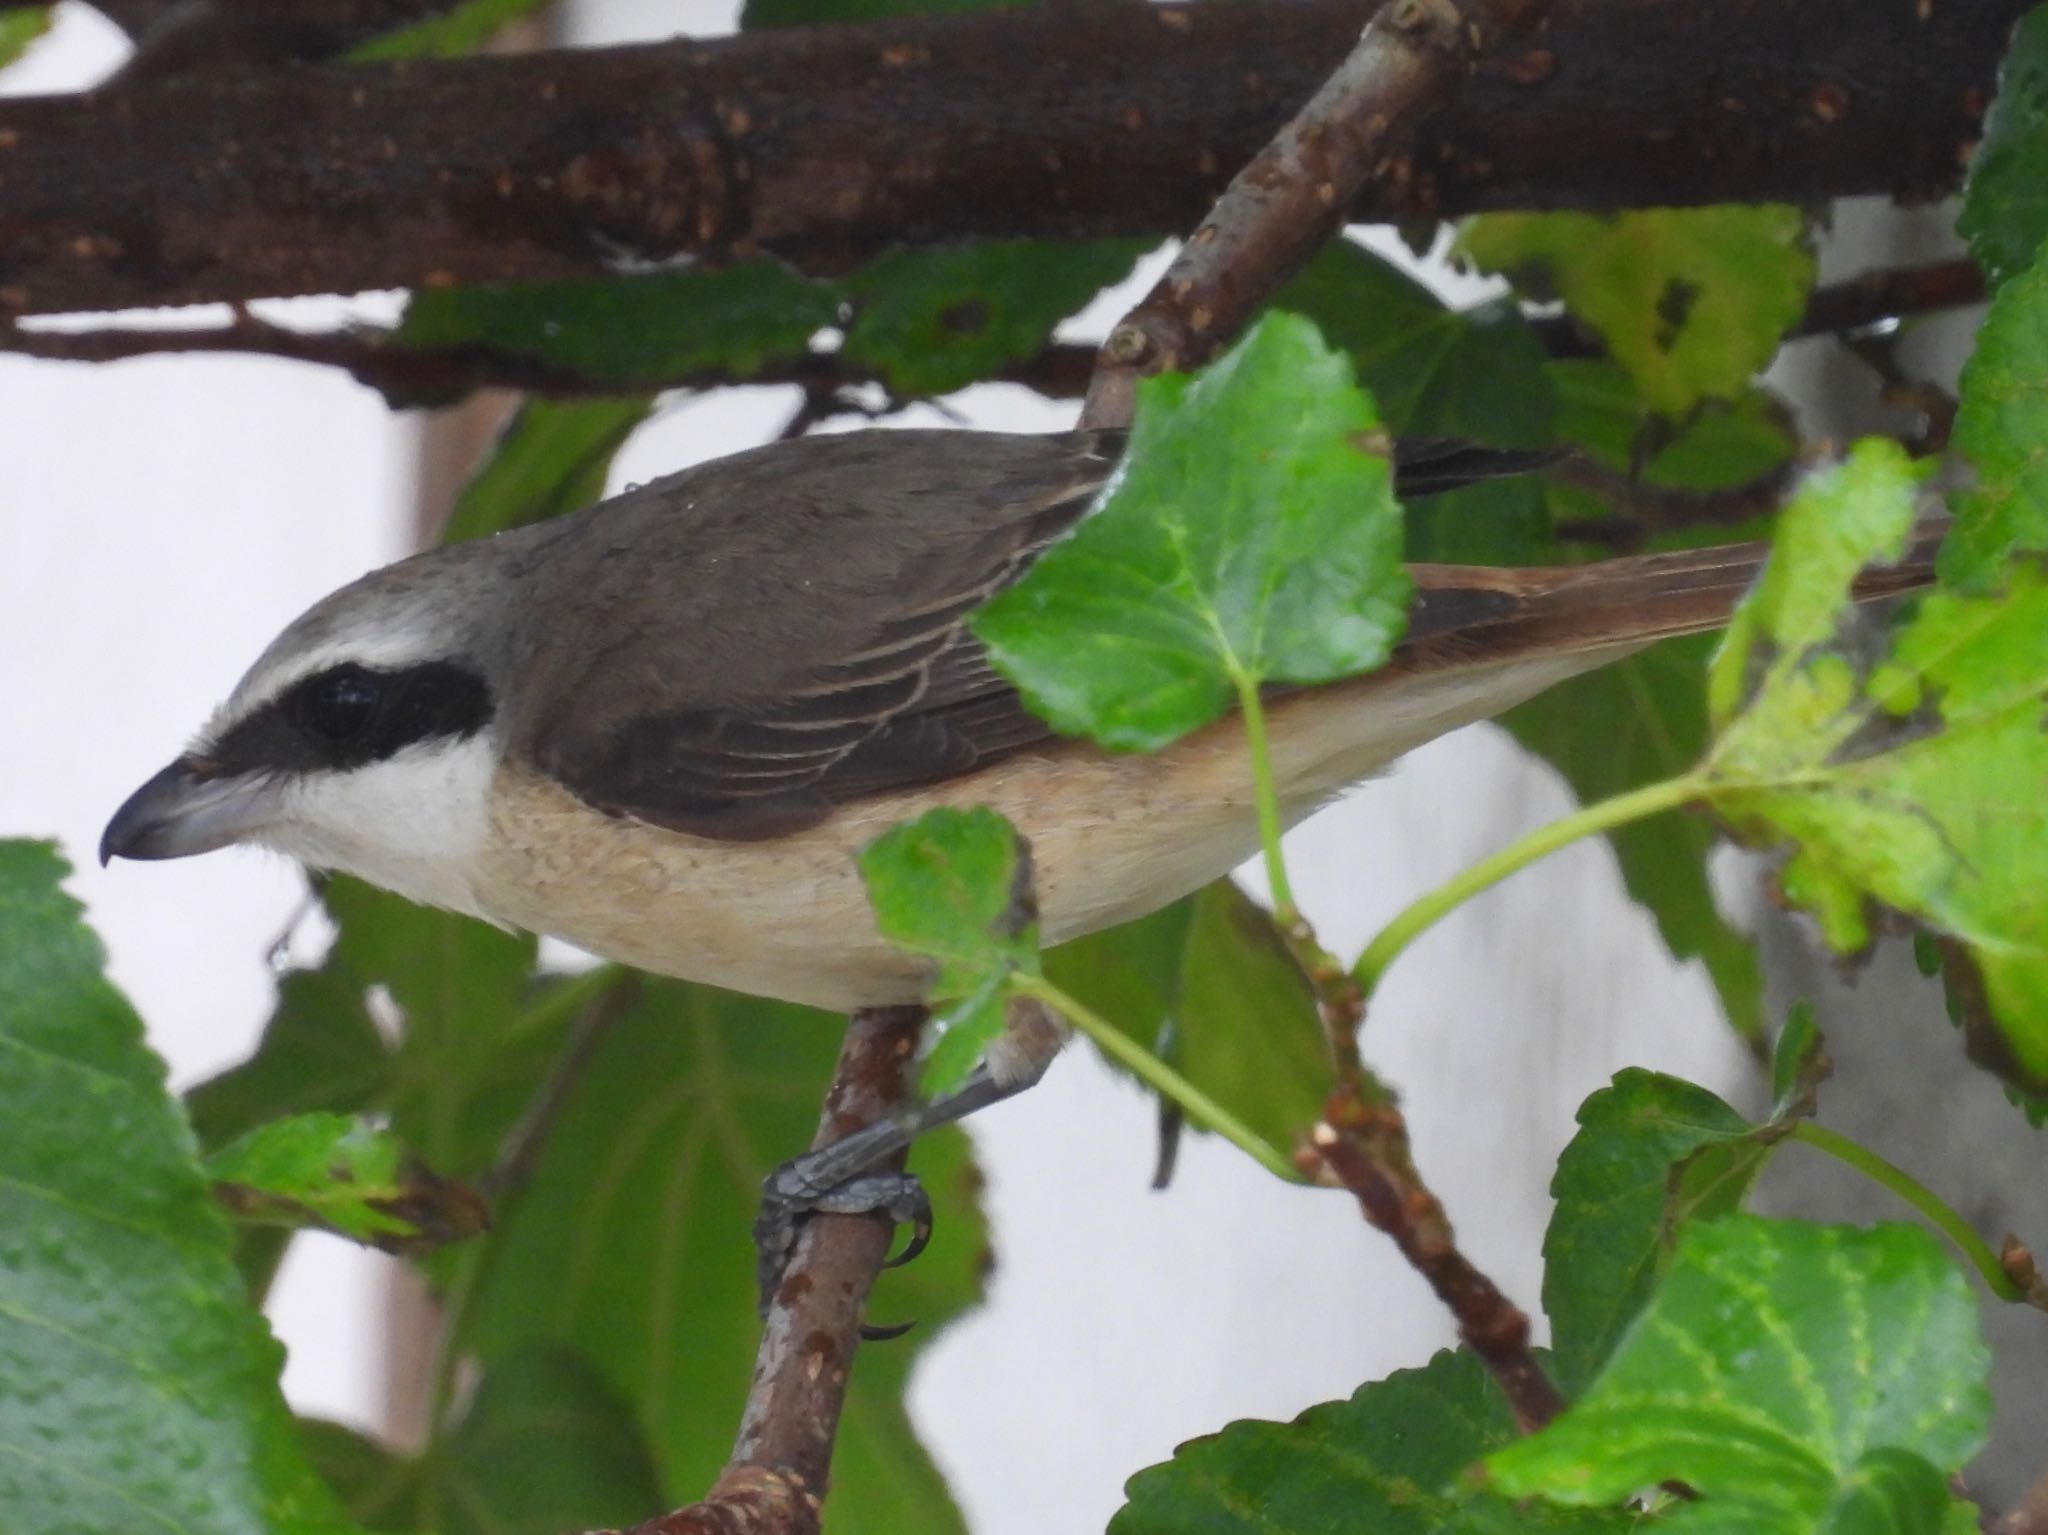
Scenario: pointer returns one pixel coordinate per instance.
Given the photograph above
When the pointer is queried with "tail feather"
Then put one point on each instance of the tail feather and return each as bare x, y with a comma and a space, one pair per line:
1474, 613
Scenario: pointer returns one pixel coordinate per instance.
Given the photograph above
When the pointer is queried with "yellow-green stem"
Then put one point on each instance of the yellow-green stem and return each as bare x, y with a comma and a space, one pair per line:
1424, 913
1919, 1196
1264, 796
1159, 1076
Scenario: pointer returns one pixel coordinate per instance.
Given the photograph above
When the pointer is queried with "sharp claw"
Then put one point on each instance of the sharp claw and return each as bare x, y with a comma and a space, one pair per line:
789, 1195
871, 1332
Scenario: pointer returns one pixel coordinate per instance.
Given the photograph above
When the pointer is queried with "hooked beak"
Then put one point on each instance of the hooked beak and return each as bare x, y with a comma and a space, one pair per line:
190, 807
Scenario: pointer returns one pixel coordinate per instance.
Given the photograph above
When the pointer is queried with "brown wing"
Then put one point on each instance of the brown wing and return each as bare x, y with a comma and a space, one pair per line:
827, 658
808, 645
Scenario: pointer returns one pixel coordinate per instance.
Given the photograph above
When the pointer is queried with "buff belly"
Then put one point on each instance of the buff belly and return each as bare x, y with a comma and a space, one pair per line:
789, 918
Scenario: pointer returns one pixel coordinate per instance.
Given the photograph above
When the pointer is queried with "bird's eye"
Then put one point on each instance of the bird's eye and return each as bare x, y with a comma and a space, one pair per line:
341, 704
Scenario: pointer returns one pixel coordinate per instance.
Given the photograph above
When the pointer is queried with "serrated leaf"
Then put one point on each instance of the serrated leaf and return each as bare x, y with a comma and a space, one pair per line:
21, 25
931, 321
1436, 371
2002, 429
1691, 302
2005, 197
1250, 536
1629, 724
1621, 1203
1908, 778
133, 1373
344, 1175
551, 458
1388, 1460
954, 887
1788, 1374
320, 1052
630, 1244
634, 332
460, 29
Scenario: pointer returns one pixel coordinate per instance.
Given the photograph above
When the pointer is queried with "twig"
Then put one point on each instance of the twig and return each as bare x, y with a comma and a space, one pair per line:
2029, 1516
410, 376
1293, 194
1364, 1146
775, 1482
1643, 509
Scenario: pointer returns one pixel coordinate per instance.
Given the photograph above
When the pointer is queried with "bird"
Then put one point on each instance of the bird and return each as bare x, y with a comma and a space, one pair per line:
663, 727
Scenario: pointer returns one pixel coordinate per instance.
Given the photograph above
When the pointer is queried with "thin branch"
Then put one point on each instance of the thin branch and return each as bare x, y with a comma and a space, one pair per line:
1364, 1146
775, 1483
825, 145
432, 376
1643, 509
1292, 196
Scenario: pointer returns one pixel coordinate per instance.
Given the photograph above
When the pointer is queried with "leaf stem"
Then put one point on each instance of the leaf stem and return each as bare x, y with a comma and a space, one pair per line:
1423, 913
1159, 1076
1264, 794
1919, 1196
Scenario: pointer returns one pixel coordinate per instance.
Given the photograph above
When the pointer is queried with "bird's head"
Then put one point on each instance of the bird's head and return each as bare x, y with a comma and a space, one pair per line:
360, 740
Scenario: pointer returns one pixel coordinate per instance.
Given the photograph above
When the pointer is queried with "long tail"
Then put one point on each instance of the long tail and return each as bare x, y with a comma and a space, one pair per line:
1476, 613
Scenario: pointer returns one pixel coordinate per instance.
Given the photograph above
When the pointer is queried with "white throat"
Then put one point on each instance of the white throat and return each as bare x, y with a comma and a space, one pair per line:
414, 823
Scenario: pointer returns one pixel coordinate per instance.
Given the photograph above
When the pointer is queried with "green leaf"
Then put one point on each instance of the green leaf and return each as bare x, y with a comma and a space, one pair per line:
473, 1046
634, 332
134, 1377
2005, 197
1790, 1374
1629, 724
931, 321
1251, 536
460, 29
2002, 429
346, 1176
1798, 1064
1214, 971
21, 25
630, 1244
551, 458
1690, 301
1249, 1034
320, 1052
1651, 1153
1722, 444
1389, 1461
1910, 777
1436, 371
954, 887
381, 1489
544, 1446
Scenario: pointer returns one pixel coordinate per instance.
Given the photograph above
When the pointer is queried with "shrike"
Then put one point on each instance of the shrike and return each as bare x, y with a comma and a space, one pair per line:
662, 727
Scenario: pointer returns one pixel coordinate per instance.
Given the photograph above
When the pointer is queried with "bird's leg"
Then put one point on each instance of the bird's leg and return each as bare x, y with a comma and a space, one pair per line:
851, 1176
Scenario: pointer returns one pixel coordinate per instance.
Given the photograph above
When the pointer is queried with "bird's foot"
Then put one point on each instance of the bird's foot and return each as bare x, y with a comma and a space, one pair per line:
805, 1186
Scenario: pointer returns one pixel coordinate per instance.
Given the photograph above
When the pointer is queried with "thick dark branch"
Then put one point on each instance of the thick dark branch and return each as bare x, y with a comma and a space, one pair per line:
1354, 132
825, 145
775, 1483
